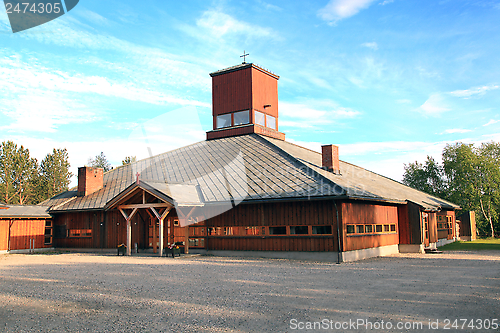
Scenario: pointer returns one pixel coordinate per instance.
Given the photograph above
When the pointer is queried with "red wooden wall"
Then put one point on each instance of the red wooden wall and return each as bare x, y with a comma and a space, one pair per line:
368, 213
265, 92
21, 232
4, 235
276, 214
232, 92
410, 228
109, 229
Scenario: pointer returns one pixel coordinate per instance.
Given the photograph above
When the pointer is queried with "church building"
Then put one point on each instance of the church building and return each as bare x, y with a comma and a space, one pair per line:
246, 191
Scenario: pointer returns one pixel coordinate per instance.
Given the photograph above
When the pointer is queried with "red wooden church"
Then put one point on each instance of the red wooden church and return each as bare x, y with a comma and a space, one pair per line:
247, 191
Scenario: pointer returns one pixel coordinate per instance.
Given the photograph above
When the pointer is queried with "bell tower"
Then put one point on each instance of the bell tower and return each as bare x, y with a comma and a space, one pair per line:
244, 101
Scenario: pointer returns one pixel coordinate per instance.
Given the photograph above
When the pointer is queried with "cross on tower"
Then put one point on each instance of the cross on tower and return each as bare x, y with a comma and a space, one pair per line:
244, 56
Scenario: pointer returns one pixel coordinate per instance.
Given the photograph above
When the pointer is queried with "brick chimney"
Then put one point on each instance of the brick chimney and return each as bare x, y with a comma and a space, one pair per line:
330, 158
90, 180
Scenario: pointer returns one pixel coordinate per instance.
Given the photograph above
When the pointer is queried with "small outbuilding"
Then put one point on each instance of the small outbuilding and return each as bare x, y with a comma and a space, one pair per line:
25, 228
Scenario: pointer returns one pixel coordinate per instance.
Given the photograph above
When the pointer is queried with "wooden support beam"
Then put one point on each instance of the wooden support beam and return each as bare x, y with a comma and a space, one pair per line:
128, 218
172, 232
155, 212
161, 219
186, 240
161, 238
146, 205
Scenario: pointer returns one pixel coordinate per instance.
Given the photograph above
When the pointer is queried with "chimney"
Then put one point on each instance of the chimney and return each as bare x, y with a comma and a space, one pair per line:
330, 158
90, 180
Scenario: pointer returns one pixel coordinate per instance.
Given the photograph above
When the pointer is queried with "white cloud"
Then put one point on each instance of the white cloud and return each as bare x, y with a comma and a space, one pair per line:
317, 113
36, 112
269, 6
19, 77
491, 122
386, 2
476, 91
218, 24
456, 130
434, 106
336, 10
371, 45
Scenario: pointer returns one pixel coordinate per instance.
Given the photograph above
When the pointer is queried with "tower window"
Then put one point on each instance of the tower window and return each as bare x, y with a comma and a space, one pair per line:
271, 121
224, 120
260, 118
241, 117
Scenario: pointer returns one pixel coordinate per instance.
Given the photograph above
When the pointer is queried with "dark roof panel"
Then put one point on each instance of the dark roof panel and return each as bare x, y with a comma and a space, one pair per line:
24, 211
248, 167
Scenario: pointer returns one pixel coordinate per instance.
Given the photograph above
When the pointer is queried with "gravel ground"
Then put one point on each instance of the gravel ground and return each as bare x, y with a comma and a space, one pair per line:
104, 293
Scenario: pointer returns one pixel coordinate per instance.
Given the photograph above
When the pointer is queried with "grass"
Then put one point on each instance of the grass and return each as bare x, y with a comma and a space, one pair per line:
479, 244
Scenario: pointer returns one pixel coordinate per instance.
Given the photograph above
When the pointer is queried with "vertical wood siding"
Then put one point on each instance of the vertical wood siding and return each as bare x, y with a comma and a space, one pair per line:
276, 214
433, 235
232, 92
21, 232
4, 235
410, 224
367, 213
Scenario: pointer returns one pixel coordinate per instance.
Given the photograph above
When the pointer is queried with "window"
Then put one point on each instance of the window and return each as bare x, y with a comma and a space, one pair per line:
80, 233
254, 231
271, 121
350, 228
360, 229
277, 230
224, 120
48, 232
241, 117
214, 231
321, 229
386, 228
176, 222
228, 231
196, 242
393, 228
196, 231
368, 229
378, 228
260, 118
299, 230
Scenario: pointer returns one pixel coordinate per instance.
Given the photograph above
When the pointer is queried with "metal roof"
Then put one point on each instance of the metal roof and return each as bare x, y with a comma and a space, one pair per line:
245, 168
24, 211
243, 66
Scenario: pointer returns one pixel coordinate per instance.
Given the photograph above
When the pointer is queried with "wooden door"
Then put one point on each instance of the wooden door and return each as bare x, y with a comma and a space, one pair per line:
425, 223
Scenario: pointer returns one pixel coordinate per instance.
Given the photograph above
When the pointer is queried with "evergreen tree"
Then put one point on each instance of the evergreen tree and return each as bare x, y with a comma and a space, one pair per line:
55, 174
128, 160
18, 174
100, 161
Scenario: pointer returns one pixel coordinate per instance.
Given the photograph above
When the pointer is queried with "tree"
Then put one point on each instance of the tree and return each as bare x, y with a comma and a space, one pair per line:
100, 161
128, 160
469, 177
55, 175
474, 177
426, 177
18, 174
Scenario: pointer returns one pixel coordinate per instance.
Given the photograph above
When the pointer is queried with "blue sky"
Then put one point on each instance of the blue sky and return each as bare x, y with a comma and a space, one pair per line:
388, 81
